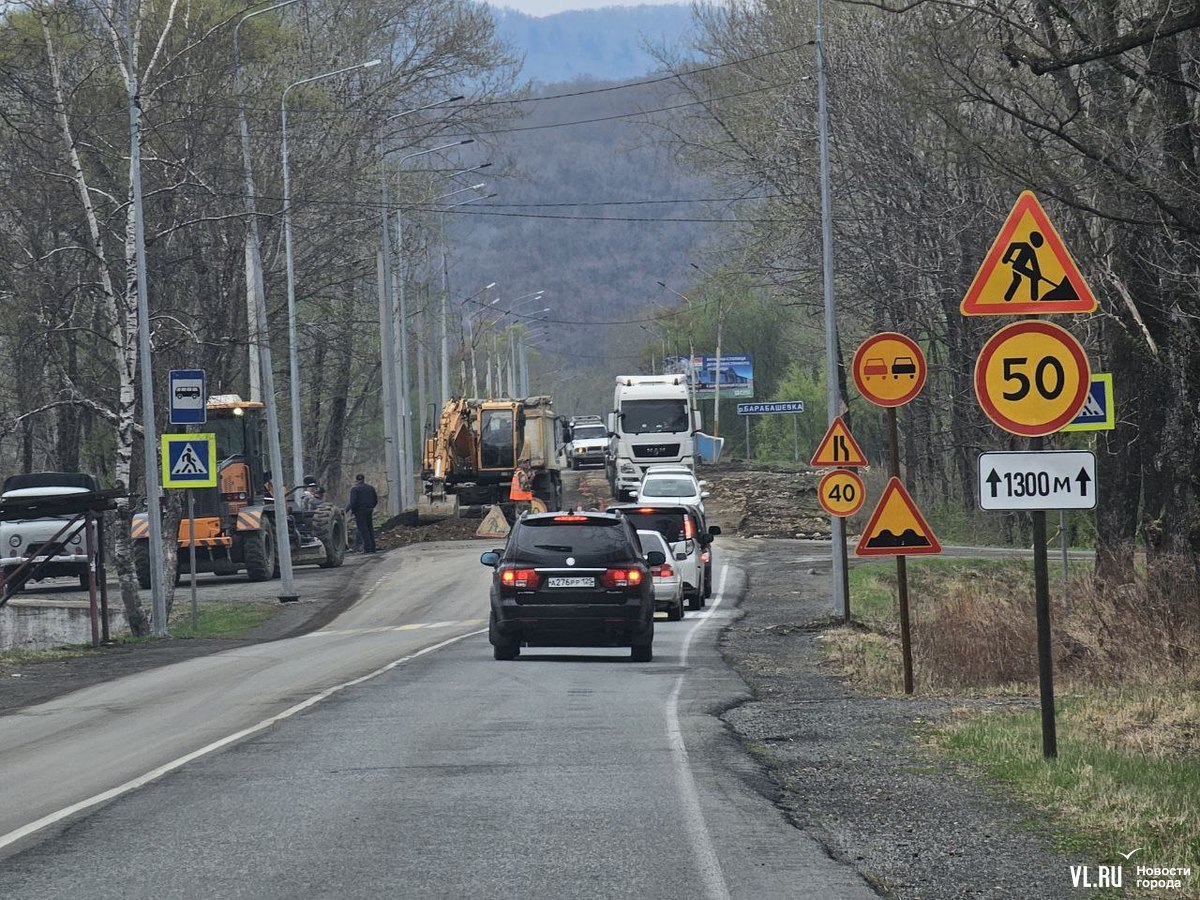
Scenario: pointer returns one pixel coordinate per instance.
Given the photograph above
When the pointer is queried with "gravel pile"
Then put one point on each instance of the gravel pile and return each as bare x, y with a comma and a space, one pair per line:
765, 503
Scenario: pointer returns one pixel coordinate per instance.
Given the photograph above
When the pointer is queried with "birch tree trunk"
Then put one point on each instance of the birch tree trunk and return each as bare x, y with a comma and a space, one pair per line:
122, 321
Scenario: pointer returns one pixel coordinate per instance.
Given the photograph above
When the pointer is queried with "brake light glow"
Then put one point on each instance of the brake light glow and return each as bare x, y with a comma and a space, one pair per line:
663, 571
570, 518
689, 528
520, 578
705, 556
618, 578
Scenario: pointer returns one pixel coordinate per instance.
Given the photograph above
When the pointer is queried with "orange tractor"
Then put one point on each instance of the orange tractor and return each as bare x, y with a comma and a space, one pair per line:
235, 528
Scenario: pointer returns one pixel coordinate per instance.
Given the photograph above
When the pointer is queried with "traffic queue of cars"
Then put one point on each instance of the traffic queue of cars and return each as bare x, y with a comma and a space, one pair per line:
596, 578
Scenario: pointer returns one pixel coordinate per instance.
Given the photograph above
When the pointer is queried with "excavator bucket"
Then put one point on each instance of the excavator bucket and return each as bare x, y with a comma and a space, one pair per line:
444, 508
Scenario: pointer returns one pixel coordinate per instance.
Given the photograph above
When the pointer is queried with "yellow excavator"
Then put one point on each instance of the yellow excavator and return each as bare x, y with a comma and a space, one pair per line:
470, 456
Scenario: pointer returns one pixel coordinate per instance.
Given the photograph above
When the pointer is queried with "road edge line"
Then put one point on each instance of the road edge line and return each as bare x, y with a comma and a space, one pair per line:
53, 818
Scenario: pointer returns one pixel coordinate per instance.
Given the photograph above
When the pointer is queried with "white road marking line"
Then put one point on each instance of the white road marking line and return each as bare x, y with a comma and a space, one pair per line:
694, 824
33, 827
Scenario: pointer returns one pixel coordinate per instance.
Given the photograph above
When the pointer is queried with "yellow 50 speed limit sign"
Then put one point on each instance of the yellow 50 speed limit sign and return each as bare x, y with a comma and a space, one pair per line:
1032, 378
841, 493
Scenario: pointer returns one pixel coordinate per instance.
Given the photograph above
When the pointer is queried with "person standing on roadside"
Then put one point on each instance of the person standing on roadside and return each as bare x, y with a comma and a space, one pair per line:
363, 500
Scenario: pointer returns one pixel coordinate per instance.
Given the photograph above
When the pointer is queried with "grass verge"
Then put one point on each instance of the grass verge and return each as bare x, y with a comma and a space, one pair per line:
1101, 797
218, 619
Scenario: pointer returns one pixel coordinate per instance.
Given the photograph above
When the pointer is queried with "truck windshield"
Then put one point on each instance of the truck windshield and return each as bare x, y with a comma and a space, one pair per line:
590, 432
231, 435
496, 439
641, 416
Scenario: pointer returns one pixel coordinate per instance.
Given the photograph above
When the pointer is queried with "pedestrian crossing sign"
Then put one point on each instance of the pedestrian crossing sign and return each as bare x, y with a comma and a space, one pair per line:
1028, 270
189, 460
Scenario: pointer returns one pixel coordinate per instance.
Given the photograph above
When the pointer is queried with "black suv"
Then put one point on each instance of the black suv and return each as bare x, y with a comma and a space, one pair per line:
572, 580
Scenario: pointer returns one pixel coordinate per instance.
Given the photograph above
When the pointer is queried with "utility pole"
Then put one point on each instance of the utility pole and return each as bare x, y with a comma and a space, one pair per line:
841, 589
282, 544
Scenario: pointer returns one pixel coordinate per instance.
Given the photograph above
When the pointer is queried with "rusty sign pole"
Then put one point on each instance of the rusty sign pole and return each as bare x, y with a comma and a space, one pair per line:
901, 562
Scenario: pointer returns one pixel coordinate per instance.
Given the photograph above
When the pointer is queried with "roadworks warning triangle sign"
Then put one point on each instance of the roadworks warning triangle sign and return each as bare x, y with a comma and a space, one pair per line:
1028, 270
494, 525
838, 448
897, 527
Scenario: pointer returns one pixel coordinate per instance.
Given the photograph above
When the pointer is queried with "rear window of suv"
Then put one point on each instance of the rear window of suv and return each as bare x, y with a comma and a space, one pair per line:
668, 524
596, 542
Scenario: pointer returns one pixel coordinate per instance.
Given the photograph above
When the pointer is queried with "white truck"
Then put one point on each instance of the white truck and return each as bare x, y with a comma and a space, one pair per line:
651, 422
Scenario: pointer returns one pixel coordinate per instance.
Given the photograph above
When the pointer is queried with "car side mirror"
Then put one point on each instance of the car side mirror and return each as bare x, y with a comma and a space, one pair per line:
714, 530
490, 558
681, 556
702, 482
704, 495
656, 558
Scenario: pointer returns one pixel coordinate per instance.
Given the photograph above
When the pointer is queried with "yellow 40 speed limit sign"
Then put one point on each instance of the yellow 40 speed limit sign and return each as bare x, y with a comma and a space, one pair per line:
841, 493
1032, 378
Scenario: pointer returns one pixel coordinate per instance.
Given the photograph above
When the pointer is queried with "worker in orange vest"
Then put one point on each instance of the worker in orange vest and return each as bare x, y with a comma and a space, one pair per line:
520, 490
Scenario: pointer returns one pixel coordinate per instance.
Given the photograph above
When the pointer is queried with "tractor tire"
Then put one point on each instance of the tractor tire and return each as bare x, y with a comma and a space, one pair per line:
141, 563
258, 551
329, 526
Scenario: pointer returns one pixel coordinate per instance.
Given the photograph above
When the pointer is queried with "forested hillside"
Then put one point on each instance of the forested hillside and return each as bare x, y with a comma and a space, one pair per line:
594, 214
608, 43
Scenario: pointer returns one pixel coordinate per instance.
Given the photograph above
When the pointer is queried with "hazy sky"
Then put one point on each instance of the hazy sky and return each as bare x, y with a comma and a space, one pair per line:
550, 7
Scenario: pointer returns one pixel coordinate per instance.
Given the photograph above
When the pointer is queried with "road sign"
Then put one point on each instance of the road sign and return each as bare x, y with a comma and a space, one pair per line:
189, 397
889, 369
841, 492
1032, 378
897, 527
1028, 270
189, 460
1099, 413
838, 448
765, 409
1037, 479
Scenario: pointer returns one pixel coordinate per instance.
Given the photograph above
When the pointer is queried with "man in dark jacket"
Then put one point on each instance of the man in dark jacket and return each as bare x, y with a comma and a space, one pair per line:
363, 500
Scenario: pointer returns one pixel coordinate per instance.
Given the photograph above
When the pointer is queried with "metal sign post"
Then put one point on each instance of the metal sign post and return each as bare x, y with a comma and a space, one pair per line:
192, 556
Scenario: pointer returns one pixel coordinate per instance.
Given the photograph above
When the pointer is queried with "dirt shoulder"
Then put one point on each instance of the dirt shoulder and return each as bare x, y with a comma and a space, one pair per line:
852, 769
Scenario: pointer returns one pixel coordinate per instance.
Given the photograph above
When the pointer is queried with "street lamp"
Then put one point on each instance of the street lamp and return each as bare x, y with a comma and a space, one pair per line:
293, 364
691, 366
257, 313
390, 351
717, 371
386, 324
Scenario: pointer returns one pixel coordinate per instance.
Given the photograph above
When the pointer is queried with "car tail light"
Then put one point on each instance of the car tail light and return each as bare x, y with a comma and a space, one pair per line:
525, 579
705, 556
233, 496
619, 578
689, 528
663, 571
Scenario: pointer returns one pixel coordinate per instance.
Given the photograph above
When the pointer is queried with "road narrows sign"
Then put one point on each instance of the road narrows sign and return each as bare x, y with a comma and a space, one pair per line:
897, 527
1028, 270
189, 460
1032, 378
838, 448
841, 492
1037, 479
889, 369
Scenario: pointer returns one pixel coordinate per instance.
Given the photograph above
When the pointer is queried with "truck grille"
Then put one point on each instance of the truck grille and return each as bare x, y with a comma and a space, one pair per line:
655, 451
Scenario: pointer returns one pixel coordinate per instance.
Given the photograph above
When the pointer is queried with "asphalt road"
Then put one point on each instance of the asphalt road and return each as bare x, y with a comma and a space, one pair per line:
388, 755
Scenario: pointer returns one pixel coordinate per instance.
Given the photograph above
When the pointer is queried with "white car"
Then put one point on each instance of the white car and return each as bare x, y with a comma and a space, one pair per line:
668, 580
589, 445
24, 538
671, 485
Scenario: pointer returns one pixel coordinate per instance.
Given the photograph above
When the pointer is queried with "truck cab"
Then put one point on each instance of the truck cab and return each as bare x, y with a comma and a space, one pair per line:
651, 422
